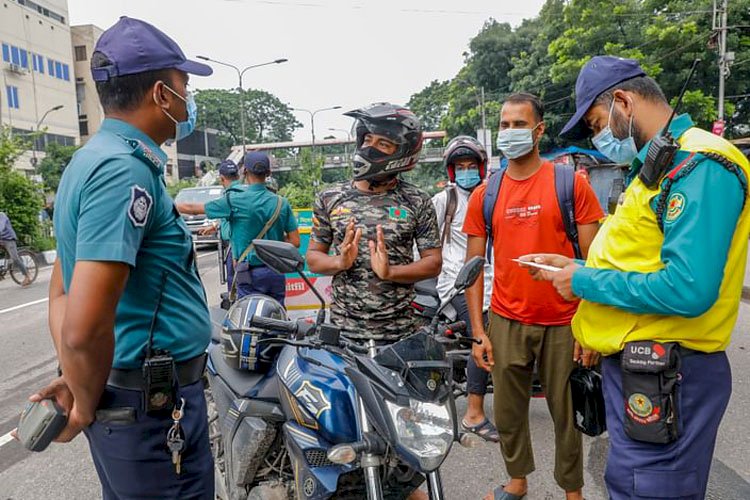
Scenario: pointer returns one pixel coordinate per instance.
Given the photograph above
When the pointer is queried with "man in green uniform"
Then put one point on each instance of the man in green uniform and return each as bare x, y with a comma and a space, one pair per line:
125, 291
373, 223
229, 177
248, 212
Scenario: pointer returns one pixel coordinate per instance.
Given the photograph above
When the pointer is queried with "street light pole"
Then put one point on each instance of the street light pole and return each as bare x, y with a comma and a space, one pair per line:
240, 74
39, 124
312, 120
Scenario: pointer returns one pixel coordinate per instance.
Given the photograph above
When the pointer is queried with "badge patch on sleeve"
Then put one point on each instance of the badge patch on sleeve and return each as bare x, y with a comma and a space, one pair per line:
140, 206
675, 206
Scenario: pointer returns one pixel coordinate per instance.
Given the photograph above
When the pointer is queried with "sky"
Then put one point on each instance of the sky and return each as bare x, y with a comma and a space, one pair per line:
341, 52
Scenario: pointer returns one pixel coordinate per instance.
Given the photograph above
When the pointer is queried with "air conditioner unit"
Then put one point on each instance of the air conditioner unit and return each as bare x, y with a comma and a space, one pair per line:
17, 68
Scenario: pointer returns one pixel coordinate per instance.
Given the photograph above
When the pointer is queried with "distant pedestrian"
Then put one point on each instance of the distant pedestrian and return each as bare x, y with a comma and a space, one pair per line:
8, 241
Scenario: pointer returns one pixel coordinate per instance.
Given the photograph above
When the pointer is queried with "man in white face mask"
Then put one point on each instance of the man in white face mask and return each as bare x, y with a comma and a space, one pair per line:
529, 321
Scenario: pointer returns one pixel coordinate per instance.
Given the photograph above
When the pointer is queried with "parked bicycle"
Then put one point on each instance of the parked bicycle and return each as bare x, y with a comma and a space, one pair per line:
7, 267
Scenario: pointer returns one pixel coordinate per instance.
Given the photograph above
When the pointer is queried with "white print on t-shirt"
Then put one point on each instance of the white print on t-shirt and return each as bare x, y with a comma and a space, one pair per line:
523, 212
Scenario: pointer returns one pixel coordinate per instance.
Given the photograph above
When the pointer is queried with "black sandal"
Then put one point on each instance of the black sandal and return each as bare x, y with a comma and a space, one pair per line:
485, 430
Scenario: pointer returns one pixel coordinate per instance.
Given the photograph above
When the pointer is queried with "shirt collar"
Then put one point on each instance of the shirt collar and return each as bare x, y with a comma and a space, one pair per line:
235, 183
128, 131
256, 187
679, 126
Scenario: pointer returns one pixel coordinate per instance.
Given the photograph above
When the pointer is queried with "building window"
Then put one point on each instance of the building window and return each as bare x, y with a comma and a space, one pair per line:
80, 52
12, 93
51, 67
80, 92
24, 58
58, 69
15, 57
6, 52
83, 127
39, 63
66, 72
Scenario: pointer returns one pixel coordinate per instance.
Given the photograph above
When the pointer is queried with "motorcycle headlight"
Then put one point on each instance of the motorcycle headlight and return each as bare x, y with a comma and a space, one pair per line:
424, 429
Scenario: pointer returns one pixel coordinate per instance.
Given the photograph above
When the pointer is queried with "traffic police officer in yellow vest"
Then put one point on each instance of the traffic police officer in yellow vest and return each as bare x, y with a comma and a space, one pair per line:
128, 312
661, 286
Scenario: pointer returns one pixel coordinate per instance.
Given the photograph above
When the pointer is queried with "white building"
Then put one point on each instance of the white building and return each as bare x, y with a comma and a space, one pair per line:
36, 72
90, 113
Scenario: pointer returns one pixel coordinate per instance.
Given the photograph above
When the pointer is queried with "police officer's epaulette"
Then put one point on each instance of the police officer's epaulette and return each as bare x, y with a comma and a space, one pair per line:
144, 153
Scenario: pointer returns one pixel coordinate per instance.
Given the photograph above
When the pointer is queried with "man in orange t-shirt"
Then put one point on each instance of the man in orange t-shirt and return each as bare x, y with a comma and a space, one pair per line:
529, 321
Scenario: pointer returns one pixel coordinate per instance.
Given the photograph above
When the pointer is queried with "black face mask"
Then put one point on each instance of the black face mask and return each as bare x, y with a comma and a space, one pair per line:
373, 154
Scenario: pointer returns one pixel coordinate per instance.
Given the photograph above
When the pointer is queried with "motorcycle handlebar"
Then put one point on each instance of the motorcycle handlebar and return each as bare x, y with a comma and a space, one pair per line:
453, 328
273, 324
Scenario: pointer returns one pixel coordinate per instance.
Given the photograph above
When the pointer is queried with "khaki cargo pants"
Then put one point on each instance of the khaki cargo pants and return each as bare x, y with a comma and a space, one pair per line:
515, 347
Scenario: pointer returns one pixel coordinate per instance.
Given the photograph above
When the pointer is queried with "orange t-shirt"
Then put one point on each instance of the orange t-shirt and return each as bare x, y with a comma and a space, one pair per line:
527, 220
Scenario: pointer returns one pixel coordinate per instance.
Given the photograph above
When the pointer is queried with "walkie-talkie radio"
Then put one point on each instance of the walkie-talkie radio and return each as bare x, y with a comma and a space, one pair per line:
158, 369
663, 147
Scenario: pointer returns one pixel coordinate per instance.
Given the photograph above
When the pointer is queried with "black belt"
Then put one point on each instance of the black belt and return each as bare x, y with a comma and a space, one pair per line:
188, 372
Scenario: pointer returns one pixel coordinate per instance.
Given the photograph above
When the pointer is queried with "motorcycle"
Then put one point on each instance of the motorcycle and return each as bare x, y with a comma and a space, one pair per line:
334, 418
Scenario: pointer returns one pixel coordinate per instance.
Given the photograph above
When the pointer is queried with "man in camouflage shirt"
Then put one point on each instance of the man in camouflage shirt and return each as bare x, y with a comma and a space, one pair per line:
372, 224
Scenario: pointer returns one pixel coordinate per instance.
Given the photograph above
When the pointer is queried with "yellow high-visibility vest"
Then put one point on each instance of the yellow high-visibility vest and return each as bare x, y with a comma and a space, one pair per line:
631, 241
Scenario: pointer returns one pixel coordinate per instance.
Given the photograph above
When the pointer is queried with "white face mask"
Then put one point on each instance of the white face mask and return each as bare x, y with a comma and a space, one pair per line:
516, 142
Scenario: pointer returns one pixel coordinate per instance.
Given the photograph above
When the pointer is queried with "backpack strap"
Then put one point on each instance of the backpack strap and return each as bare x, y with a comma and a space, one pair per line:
450, 213
488, 206
565, 190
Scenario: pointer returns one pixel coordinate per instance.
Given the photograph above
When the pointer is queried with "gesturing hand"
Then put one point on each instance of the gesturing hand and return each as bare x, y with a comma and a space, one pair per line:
379, 255
349, 248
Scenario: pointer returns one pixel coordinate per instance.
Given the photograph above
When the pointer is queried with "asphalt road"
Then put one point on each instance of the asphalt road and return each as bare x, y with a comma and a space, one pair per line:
27, 361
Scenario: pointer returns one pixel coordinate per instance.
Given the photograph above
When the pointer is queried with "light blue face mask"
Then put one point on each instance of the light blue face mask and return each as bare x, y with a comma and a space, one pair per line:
516, 142
468, 179
184, 129
618, 150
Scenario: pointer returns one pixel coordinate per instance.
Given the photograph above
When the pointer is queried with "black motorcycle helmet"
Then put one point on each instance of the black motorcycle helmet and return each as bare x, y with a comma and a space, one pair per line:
239, 340
464, 146
397, 124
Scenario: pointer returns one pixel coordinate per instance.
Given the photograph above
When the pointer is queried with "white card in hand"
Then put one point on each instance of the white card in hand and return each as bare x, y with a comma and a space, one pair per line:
537, 265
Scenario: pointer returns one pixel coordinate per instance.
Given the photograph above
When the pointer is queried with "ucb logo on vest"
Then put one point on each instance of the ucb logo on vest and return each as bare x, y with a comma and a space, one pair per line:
646, 356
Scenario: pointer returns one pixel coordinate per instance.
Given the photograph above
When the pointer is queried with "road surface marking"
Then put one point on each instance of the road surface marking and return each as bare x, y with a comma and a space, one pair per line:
6, 439
24, 305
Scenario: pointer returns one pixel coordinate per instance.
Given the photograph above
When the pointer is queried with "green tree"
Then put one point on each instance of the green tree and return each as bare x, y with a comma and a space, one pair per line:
301, 186
267, 119
19, 197
431, 104
52, 166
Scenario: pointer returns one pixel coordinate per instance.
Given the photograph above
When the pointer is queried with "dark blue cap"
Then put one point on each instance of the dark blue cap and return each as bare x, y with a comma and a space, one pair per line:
257, 163
597, 76
228, 167
134, 46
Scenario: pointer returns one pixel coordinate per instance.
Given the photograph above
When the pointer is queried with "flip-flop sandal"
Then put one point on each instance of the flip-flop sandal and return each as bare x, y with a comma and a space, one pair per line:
485, 430
500, 494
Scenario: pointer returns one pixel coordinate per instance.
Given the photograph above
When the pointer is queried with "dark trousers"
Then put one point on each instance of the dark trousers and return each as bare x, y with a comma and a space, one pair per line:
476, 378
229, 266
637, 470
12, 249
263, 280
132, 459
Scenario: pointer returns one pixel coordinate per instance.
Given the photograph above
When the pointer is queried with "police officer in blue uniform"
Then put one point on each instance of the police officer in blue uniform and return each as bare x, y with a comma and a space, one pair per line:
128, 313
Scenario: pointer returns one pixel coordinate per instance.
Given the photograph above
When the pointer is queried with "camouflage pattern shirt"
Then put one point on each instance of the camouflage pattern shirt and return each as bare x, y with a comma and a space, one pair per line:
364, 304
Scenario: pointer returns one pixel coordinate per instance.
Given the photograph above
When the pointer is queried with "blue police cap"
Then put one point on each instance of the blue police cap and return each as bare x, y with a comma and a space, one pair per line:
228, 167
257, 163
598, 75
135, 46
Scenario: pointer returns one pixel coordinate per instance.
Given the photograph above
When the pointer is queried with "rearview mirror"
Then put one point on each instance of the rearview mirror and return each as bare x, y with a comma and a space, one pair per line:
280, 256
469, 273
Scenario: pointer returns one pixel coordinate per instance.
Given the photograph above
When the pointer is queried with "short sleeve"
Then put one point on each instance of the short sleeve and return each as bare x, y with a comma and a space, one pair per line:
474, 222
427, 235
322, 231
116, 207
218, 208
290, 221
587, 209
439, 201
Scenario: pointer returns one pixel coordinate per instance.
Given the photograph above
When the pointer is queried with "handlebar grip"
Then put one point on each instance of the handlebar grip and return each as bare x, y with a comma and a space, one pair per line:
273, 324
455, 327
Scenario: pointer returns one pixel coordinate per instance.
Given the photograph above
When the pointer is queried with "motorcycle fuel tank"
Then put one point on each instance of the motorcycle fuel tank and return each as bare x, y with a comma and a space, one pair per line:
318, 398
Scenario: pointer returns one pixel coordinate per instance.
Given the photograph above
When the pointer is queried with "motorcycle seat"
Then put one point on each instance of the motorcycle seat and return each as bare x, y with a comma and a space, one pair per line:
427, 287
239, 381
